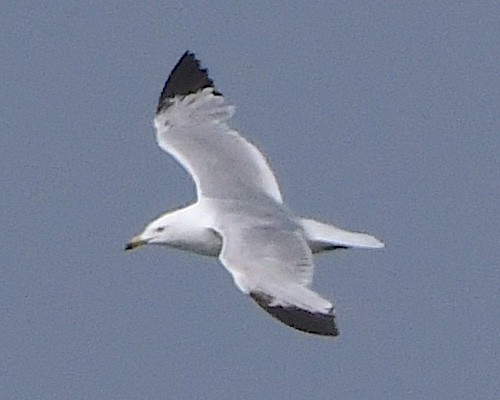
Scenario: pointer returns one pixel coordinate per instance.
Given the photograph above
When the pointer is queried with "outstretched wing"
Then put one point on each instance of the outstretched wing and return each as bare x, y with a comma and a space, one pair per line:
274, 266
191, 125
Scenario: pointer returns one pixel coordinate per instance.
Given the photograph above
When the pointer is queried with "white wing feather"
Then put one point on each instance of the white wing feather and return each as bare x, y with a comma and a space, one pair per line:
275, 262
222, 163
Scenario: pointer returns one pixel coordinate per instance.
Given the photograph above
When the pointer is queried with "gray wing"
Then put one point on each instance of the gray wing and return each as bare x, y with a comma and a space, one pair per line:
191, 126
275, 268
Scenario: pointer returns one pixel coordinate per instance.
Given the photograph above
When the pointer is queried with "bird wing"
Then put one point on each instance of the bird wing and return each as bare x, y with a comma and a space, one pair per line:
191, 125
274, 266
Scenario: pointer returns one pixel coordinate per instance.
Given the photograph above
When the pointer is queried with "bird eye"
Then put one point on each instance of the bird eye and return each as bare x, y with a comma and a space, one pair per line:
160, 229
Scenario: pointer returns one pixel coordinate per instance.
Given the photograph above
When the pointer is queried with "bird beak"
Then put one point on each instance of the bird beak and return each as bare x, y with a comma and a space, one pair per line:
135, 242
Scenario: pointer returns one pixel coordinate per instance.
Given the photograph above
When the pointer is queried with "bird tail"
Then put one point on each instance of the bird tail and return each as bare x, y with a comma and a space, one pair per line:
322, 237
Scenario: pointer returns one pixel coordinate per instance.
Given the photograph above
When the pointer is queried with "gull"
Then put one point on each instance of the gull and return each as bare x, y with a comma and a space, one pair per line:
239, 215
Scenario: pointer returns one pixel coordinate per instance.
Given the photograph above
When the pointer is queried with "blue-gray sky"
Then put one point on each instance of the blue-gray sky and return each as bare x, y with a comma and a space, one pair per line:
378, 116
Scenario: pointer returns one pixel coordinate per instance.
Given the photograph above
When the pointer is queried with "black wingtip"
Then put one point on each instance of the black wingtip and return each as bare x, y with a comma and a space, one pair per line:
297, 318
187, 77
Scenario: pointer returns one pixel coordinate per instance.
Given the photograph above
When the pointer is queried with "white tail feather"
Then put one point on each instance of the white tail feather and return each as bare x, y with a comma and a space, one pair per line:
320, 236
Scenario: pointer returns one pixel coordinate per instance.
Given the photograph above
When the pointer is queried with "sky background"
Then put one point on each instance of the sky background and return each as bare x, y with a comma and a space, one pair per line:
376, 116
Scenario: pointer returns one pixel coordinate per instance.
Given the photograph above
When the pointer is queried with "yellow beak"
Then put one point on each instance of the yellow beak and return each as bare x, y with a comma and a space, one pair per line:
135, 242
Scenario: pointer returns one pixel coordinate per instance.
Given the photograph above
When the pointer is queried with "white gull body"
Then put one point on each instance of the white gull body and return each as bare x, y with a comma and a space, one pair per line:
239, 215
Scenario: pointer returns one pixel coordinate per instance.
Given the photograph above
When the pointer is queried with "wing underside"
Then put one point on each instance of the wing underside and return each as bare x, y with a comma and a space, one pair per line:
274, 266
298, 318
191, 126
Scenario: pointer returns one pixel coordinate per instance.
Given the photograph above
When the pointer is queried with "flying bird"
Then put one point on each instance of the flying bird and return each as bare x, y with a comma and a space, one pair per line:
239, 215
